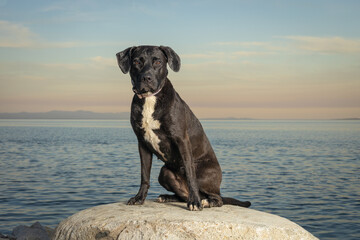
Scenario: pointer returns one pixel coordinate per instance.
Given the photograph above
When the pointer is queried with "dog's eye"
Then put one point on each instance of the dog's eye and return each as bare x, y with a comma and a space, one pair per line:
157, 62
137, 62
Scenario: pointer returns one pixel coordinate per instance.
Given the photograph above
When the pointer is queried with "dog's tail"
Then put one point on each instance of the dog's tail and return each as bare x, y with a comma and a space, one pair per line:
233, 201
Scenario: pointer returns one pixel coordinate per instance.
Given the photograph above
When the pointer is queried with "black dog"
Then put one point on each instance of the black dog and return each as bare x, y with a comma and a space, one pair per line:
165, 126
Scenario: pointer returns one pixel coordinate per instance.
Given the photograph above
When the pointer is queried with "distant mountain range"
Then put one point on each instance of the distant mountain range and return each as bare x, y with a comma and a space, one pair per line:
83, 115
96, 116
66, 115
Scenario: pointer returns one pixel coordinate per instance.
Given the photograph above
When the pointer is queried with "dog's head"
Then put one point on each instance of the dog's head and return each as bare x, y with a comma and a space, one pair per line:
147, 66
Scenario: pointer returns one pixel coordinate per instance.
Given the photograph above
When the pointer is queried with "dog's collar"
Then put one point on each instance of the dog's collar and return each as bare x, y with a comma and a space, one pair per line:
150, 95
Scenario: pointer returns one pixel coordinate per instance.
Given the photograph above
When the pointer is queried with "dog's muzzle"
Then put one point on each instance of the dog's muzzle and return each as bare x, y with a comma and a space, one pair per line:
144, 95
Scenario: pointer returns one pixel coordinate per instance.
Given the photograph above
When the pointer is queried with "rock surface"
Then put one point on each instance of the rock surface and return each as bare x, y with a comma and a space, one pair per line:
34, 232
173, 221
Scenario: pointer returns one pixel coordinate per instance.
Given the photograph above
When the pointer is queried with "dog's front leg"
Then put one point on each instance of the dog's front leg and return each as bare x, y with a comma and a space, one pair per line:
146, 161
194, 201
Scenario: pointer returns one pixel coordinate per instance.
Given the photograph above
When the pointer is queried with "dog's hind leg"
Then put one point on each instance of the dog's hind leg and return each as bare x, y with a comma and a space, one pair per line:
173, 183
209, 179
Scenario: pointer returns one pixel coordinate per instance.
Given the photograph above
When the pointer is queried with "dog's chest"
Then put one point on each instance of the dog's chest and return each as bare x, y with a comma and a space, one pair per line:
149, 124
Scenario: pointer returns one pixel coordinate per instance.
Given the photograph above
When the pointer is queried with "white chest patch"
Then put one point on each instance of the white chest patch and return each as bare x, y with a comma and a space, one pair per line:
149, 124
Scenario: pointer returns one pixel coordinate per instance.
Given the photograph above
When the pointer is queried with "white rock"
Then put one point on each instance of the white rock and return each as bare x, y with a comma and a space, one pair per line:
173, 221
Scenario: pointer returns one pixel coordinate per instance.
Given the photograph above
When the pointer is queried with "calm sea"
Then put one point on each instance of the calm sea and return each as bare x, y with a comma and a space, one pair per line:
306, 171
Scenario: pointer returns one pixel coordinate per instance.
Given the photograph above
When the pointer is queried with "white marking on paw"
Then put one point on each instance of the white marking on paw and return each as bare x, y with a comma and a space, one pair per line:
205, 203
149, 124
193, 208
160, 199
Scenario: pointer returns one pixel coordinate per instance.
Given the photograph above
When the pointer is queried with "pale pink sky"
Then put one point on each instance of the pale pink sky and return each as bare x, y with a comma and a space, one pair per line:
271, 64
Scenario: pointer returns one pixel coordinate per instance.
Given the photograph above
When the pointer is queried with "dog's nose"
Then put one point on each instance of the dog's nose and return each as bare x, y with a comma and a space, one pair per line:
147, 78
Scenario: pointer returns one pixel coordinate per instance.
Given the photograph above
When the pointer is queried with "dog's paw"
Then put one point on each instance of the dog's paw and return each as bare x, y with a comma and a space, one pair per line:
195, 206
135, 201
194, 202
205, 203
161, 199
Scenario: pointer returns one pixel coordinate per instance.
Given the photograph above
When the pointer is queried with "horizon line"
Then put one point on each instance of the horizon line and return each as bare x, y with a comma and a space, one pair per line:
90, 115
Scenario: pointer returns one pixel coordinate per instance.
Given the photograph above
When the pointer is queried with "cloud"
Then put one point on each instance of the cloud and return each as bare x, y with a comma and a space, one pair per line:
59, 44
13, 35
326, 44
67, 66
97, 61
250, 53
247, 49
53, 7
196, 56
308, 43
104, 61
243, 44
224, 55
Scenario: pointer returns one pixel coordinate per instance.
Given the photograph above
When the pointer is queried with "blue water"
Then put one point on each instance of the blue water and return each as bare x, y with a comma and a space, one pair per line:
306, 171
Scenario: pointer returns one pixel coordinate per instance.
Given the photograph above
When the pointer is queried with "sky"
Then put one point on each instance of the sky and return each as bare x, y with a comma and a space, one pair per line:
265, 59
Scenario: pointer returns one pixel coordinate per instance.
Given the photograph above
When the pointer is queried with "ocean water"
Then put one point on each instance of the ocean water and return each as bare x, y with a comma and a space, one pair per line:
306, 171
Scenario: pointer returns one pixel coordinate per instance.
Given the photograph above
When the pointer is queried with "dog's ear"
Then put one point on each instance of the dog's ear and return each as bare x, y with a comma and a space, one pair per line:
172, 57
123, 59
